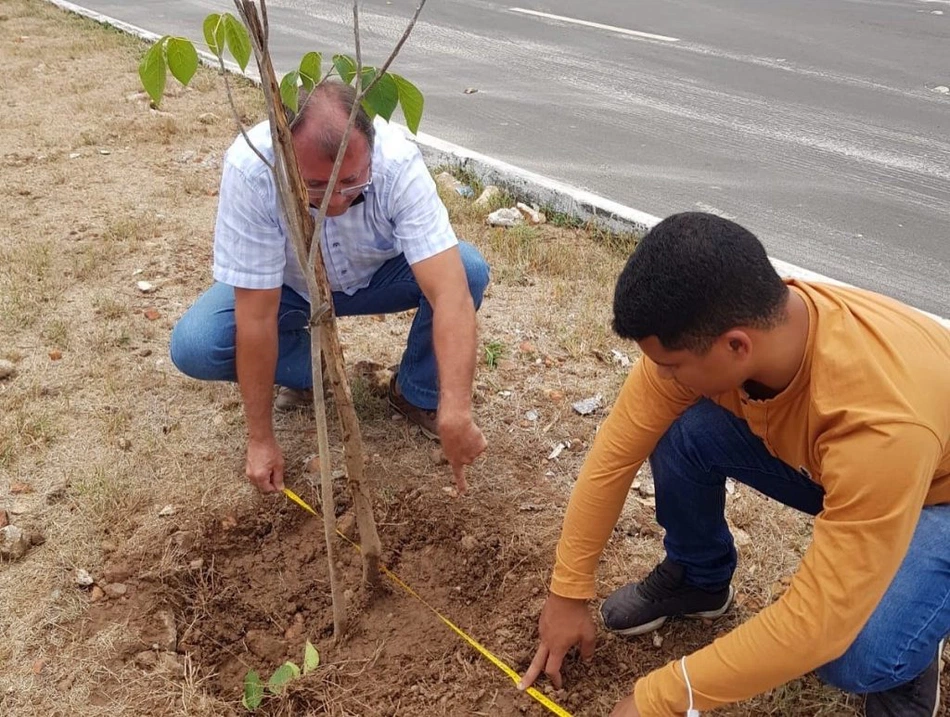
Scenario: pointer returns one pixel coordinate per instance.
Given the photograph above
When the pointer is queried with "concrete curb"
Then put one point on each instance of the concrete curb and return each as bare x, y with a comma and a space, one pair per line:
528, 186
534, 188
574, 202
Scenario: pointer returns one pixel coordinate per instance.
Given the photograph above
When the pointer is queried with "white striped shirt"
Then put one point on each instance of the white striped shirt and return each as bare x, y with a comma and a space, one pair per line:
401, 214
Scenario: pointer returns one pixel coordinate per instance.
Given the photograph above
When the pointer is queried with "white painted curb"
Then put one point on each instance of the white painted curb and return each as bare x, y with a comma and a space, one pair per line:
535, 188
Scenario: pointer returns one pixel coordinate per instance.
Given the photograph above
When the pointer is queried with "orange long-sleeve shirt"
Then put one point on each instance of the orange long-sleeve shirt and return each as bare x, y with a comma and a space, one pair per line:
867, 416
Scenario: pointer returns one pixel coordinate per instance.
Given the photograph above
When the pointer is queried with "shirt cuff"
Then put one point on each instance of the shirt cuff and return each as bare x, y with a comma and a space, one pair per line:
247, 280
425, 248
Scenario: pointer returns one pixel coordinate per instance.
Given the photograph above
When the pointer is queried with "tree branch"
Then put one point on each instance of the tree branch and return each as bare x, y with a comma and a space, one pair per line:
392, 56
265, 23
356, 37
237, 115
338, 162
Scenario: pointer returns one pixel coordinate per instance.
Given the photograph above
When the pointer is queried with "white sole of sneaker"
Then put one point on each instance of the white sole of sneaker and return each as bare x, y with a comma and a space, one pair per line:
658, 623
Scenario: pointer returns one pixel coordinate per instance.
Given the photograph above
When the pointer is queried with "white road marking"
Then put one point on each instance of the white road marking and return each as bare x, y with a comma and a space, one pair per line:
597, 25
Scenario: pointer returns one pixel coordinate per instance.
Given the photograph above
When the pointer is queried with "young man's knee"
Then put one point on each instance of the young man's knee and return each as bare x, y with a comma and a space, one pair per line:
681, 437
863, 669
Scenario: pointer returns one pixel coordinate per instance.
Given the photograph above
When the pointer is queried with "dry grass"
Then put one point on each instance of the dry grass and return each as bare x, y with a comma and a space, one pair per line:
102, 192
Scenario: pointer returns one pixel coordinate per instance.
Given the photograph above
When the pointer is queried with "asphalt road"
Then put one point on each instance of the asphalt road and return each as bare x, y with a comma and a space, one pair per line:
815, 123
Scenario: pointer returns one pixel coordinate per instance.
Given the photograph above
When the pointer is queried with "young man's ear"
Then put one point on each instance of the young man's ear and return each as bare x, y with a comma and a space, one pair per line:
738, 342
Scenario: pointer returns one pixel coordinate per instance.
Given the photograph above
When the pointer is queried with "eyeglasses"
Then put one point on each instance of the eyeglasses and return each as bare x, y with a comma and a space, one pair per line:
354, 190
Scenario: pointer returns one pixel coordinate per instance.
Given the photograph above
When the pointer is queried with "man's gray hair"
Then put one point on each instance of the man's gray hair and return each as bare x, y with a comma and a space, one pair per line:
323, 114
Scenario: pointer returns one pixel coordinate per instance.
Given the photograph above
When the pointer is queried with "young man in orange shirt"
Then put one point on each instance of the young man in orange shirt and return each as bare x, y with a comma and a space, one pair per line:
832, 400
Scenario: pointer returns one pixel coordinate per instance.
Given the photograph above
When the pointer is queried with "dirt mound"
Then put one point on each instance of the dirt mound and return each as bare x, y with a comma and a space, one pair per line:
247, 591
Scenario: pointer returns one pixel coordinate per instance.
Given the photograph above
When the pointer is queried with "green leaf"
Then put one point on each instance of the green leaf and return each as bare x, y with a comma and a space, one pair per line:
253, 691
411, 101
182, 59
384, 97
282, 675
239, 42
289, 93
214, 33
345, 66
310, 66
152, 71
311, 658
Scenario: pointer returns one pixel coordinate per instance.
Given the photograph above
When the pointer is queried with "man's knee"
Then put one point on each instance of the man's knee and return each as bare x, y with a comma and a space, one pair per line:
183, 349
476, 270
198, 349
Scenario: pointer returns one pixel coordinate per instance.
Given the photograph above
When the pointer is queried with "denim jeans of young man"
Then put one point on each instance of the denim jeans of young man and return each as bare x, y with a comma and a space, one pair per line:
202, 342
690, 465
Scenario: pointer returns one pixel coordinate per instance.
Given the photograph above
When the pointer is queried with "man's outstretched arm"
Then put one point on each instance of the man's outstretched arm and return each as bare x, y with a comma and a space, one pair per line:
443, 280
255, 314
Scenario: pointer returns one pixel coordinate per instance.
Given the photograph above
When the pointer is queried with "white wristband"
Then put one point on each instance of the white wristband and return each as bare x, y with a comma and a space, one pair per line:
690, 712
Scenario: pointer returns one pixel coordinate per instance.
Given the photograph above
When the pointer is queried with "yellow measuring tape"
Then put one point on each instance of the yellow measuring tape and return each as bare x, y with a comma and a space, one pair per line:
481, 649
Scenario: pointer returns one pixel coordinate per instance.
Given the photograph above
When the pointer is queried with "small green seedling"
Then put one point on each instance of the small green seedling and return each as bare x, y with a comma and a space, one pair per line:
254, 687
494, 350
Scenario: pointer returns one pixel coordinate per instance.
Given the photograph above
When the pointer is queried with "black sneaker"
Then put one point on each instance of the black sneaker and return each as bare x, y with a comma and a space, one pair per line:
918, 698
641, 607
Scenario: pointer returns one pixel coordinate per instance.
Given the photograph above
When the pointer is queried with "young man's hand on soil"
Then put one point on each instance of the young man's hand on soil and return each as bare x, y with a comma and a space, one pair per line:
564, 622
627, 707
265, 465
462, 442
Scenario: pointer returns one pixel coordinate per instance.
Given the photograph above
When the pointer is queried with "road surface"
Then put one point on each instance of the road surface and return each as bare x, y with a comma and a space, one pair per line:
818, 124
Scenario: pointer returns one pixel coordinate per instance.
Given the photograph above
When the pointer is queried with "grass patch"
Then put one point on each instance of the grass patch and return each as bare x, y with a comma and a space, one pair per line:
129, 229
111, 498
56, 333
110, 308
369, 406
29, 282
27, 428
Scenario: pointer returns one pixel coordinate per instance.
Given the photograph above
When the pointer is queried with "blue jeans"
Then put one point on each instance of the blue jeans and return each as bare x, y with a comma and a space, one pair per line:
202, 342
690, 465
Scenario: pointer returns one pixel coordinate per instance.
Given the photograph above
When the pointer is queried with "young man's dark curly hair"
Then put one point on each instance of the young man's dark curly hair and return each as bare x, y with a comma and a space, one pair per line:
693, 277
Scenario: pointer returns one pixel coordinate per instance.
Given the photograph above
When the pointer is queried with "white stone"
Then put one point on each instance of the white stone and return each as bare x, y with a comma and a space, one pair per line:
447, 182
7, 369
488, 195
531, 215
620, 357
588, 405
14, 542
505, 217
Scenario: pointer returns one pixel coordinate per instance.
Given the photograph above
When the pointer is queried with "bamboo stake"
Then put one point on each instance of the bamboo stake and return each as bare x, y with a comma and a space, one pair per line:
306, 236
295, 205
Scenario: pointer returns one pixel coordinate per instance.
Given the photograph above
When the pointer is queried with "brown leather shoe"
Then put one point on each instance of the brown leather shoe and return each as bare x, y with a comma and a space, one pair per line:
426, 420
293, 399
